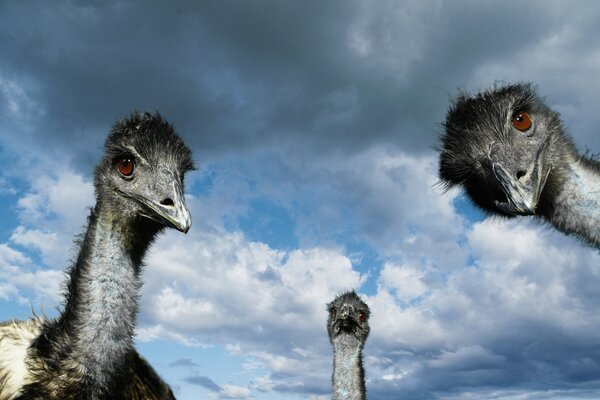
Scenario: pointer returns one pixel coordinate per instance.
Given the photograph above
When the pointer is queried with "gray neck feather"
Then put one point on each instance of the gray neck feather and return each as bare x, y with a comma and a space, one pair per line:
348, 374
577, 207
106, 302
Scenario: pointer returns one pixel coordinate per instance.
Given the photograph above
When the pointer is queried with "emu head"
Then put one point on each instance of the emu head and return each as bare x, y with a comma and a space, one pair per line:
348, 318
141, 174
501, 145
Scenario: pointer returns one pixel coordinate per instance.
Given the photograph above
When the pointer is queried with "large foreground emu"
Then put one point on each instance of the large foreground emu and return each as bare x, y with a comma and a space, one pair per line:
348, 328
511, 154
88, 353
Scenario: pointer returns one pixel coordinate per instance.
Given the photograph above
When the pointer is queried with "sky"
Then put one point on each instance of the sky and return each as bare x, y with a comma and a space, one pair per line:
314, 127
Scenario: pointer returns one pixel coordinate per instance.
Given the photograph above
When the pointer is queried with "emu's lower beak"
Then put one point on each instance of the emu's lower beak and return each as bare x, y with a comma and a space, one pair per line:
523, 192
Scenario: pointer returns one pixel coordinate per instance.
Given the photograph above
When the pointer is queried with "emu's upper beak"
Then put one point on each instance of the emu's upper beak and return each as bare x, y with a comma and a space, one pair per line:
166, 203
345, 322
522, 192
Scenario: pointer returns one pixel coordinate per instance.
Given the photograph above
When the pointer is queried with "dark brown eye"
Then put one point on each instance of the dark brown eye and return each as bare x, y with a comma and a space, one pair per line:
333, 313
362, 316
126, 166
522, 121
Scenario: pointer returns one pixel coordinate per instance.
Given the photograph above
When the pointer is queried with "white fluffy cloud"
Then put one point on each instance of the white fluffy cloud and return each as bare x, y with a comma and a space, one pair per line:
406, 281
52, 212
222, 284
514, 309
19, 277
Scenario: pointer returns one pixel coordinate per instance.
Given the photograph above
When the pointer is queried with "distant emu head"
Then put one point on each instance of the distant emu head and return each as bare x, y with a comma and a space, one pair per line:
348, 318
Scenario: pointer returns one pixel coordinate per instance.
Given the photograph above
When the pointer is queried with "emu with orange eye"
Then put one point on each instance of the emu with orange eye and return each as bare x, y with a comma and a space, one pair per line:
126, 166
522, 121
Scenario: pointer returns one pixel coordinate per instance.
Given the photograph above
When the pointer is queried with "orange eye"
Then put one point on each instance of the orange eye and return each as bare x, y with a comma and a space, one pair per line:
522, 121
333, 313
125, 166
362, 316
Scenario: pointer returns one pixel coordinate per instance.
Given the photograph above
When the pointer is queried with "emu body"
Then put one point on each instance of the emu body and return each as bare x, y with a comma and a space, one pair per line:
87, 352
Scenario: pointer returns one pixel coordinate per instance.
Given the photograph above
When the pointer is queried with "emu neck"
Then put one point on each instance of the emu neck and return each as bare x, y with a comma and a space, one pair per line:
348, 374
576, 208
102, 301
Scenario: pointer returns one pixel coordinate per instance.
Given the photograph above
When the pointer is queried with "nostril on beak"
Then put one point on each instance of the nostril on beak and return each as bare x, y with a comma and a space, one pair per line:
167, 202
521, 174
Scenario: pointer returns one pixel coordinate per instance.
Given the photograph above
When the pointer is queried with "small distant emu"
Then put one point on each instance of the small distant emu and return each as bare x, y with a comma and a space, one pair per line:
88, 353
348, 328
511, 154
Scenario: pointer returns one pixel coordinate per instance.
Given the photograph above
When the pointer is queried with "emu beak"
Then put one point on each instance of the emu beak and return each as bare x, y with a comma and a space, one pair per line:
344, 321
523, 192
165, 201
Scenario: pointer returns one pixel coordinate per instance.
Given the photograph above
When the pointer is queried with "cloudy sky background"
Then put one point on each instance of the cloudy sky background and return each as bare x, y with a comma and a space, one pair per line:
314, 126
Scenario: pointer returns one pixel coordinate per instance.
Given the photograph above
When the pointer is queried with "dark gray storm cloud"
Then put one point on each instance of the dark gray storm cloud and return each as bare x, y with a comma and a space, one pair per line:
184, 362
237, 76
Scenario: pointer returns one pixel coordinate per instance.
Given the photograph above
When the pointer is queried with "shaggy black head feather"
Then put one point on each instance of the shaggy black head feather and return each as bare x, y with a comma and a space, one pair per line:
348, 314
478, 127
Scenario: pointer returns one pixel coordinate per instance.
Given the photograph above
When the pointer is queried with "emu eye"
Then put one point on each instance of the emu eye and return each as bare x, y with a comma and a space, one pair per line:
362, 316
126, 166
333, 313
522, 121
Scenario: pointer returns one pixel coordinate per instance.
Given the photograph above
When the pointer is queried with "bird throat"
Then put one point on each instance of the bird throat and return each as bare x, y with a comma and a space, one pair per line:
577, 207
348, 373
103, 299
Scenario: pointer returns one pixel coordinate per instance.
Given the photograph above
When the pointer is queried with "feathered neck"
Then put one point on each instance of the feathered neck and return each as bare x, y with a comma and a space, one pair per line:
348, 374
575, 206
93, 338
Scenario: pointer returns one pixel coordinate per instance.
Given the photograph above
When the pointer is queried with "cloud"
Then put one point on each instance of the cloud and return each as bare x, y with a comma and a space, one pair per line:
51, 213
19, 277
219, 392
190, 285
405, 281
467, 358
6, 188
205, 382
183, 362
52, 209
378, 76
511, 318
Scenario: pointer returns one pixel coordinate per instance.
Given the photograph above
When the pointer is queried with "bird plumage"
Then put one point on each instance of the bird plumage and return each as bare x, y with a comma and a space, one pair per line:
88, 352
512, 155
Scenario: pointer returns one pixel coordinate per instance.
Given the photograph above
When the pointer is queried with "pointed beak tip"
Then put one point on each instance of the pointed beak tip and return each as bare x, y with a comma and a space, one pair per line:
184, 225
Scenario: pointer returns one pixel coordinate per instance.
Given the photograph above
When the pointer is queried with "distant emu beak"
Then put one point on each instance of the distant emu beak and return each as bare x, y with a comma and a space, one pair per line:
524, 186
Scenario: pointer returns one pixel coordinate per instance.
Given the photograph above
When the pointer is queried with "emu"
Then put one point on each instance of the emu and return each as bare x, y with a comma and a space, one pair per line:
348, 328
511, 154
88, 352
